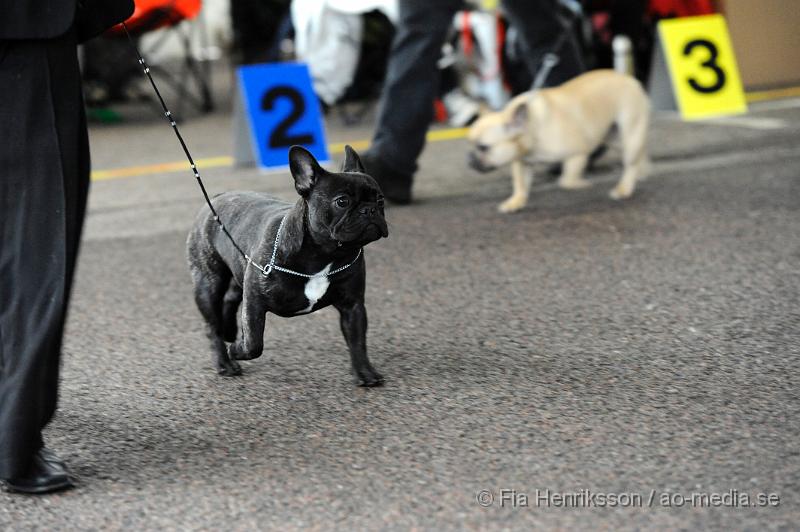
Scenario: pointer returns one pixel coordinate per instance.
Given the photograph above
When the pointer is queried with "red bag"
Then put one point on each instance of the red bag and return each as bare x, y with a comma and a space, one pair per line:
152, 14
680, 8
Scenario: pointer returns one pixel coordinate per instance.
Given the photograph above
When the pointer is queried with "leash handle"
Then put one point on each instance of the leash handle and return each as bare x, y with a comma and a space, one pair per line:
548, 63
551, 59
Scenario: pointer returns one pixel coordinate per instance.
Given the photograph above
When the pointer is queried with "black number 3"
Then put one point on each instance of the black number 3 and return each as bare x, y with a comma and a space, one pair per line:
280, 138
710, 63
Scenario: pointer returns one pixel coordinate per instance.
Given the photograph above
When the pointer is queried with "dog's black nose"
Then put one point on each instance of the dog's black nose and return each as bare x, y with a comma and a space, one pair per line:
369, 210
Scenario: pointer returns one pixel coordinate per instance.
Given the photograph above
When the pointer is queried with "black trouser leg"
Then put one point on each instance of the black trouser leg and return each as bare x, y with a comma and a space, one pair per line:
44, 176
412, 81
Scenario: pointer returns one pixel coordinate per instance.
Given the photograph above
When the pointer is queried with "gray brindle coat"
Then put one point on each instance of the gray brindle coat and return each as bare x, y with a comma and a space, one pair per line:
336, 215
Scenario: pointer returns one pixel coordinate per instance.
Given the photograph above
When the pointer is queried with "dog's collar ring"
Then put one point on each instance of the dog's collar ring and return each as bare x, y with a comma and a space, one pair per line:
266, 270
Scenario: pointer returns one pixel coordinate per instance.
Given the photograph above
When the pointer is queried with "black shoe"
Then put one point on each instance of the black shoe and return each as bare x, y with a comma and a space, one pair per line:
47, 473
396, 186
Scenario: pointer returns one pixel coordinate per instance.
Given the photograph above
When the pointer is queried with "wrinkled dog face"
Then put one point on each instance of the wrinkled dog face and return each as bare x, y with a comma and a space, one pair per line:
496, 138
347, 206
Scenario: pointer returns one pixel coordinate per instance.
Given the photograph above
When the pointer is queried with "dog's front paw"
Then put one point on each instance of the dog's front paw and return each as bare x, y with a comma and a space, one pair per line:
368, 377
235, 353
620, 192
228, 368
512, 204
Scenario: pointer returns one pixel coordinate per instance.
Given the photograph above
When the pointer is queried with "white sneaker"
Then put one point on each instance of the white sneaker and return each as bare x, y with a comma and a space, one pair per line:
461, 109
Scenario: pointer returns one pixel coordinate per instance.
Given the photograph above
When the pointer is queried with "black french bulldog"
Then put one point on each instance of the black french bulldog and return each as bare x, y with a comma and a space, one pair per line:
321, 236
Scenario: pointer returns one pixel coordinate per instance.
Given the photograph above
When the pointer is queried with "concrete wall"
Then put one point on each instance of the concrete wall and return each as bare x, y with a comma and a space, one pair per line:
766, 38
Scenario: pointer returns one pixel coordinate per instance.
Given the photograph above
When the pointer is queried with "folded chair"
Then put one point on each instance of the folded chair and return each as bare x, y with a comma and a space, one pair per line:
191, 82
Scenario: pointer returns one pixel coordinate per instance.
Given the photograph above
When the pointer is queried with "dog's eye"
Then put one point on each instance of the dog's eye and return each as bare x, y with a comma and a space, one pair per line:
343, 202
380, 202
482, 147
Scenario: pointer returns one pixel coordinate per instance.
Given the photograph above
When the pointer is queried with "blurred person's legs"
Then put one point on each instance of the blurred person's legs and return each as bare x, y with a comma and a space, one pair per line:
412, 80
406, 108
44, 180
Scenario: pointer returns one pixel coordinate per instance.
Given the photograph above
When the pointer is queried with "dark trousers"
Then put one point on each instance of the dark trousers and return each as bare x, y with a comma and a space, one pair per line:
44, 180
412, 78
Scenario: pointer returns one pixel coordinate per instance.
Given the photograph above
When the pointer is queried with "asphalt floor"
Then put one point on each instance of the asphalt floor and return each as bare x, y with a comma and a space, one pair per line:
644, 350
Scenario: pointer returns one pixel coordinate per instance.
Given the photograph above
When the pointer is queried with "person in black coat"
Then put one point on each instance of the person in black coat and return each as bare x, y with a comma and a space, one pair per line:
44, 181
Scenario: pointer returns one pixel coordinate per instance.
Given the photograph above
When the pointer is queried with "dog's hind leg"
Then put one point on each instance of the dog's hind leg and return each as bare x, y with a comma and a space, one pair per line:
209, 293
572, 173
250, 344
633, 131
230, 309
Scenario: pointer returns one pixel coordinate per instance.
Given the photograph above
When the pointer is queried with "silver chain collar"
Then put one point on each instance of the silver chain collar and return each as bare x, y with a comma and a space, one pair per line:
266, 270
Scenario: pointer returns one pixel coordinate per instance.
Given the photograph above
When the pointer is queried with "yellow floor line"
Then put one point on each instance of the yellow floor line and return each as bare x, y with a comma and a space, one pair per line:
774, 94
336, 148
162, 168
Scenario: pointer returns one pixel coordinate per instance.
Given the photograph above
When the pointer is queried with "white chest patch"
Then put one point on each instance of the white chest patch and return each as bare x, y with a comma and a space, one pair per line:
316, 287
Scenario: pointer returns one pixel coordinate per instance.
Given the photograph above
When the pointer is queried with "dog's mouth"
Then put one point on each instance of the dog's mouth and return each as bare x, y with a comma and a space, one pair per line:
369, 233
377, 230
476, 163
372, 232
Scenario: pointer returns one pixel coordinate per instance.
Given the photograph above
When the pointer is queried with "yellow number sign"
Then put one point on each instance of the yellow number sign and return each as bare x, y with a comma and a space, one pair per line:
705, 78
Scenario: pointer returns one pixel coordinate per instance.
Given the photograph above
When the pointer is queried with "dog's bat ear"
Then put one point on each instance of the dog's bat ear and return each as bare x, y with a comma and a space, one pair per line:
352, 163
519, 117
305, 169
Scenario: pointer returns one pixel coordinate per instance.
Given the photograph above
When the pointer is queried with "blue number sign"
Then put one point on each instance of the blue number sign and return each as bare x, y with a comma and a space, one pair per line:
283, 110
